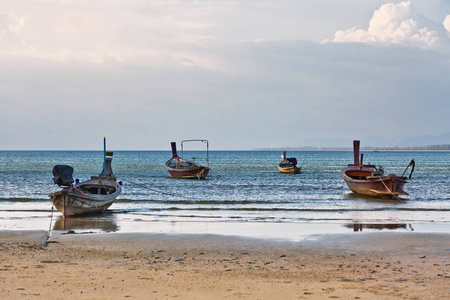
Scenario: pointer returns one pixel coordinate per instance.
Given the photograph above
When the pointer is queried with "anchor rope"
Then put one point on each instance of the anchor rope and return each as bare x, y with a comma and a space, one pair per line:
412, 163
47, 239
389, 189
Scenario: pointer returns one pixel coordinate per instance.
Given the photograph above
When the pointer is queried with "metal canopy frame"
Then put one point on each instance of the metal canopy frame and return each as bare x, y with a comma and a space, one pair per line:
203, 141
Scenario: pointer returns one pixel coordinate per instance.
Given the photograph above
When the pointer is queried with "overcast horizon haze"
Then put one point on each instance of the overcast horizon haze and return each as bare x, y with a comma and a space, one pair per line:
242, 74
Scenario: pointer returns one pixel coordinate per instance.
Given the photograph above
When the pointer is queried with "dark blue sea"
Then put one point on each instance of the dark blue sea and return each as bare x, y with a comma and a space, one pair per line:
245, 193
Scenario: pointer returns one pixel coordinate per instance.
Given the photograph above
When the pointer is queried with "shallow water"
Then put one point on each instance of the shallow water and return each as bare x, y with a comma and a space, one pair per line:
245, 187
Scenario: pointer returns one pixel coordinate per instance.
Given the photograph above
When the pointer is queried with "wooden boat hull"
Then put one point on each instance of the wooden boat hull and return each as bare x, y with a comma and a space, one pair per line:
288, 165
389, 185
370, 180
71, 202
288, 169
179, 167
199, 172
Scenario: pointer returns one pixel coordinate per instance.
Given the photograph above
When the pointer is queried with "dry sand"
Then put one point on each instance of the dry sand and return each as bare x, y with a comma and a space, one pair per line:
381, 265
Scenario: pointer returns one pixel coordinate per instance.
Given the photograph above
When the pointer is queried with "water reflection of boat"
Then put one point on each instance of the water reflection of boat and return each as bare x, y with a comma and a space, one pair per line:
370, 180
87, 197
180, 167
360, 226
289, 165
103, 223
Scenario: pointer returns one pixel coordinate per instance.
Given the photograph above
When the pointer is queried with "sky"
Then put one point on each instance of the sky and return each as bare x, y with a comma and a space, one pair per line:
242, 74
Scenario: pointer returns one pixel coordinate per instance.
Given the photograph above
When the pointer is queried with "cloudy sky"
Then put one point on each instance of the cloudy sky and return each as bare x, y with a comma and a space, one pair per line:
243, 74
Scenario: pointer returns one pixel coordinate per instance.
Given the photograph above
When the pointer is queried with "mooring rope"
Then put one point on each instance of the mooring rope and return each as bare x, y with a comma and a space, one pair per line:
389, 189
412, 163
303, 161
158, 191
47, 239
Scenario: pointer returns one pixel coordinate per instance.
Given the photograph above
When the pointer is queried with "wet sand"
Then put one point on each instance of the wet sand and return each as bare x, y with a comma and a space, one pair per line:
384, 265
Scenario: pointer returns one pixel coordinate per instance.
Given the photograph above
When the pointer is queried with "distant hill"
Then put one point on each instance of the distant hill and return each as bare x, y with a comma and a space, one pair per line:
419, 143
377, 141
417, 148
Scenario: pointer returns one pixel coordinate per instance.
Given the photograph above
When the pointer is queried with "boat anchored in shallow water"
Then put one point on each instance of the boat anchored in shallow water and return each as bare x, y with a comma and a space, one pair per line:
289, 165
87, 197
370, 180
180, 167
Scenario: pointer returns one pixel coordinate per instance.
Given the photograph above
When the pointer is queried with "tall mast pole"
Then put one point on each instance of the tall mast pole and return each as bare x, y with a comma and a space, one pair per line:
104, 157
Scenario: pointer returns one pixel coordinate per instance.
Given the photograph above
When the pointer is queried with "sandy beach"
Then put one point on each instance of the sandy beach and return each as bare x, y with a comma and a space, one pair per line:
86, 265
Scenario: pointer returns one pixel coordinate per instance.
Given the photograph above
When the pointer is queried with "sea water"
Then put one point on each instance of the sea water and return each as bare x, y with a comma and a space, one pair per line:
244, 192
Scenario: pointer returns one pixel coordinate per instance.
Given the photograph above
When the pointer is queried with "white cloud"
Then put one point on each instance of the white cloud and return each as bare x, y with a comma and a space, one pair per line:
10, 29
391, 24
446, 23
133, 63
98, 32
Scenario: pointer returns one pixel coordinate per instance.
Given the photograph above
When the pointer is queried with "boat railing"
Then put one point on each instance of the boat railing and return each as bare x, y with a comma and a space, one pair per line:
193, 158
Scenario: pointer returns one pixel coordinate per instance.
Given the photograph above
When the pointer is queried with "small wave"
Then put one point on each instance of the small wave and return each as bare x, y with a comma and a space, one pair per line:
24, 200
274, 209
216, 202
26, 210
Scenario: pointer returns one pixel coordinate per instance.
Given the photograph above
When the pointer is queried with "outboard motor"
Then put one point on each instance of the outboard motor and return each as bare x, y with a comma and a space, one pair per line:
63, 175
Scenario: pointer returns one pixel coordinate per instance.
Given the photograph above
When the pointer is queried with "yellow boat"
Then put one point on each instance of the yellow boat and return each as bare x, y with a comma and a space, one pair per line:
289, 165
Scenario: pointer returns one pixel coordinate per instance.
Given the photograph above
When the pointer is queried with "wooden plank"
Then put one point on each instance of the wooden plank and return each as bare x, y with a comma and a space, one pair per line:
388, 192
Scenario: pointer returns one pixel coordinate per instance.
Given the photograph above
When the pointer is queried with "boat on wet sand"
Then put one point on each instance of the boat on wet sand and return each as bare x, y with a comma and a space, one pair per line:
370, 180
289, 165
180, 167
88, 197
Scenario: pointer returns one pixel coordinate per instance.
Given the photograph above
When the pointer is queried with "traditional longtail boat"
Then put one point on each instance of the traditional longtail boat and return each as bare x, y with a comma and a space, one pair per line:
370, 180
180, 167
87, 197
289, 165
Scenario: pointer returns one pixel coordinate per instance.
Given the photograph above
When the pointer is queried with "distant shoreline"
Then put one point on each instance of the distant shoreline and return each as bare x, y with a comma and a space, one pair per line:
318, 149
